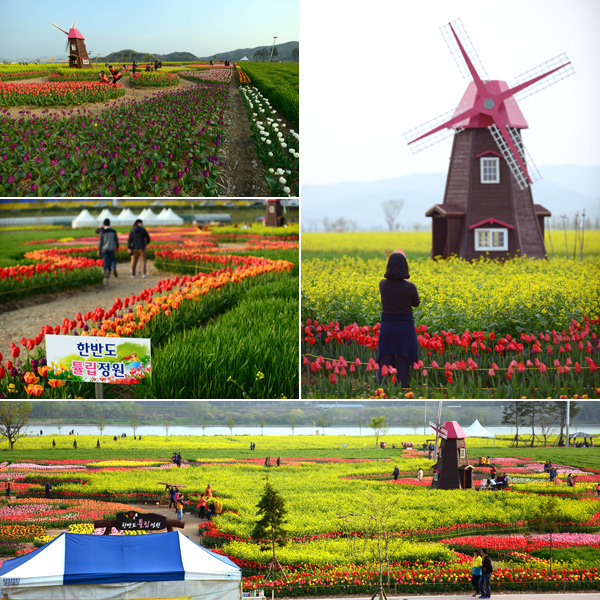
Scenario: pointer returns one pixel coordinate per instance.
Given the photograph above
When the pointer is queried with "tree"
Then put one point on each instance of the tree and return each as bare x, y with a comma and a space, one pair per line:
269, 530
262, 424
531, 412
203, 423
13, 418
166, 425
360, 424
322, 422
379, 427
546, 420
292, 422
134, 422
230, 423
545, 519
513, 414
558, 409
100, 423
58, 409
391, 212
296, 56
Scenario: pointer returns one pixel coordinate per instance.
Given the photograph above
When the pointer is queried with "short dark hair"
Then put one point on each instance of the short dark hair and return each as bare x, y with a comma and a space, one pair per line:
484, 550
397, 267
137, 222
107, 222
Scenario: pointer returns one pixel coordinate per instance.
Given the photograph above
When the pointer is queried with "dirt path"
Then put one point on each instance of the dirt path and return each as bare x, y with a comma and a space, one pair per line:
25, 318
241, 176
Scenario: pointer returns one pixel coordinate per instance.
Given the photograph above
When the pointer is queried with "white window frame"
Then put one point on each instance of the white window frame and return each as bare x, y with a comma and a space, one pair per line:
479, 247
489, 163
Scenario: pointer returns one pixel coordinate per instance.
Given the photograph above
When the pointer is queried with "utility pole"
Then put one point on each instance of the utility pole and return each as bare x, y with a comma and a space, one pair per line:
273, 48
568, 422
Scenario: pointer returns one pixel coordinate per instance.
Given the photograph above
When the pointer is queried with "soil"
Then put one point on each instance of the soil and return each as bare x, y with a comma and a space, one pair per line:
25, 317
242, 175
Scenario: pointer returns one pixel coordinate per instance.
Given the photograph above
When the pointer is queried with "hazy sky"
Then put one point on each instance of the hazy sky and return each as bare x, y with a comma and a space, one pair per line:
369, 75
202, 27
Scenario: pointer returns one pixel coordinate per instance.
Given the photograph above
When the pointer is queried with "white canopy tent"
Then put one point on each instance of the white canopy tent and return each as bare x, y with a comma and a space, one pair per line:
126, 217
105, 214
478, 430
168, 217
148, 217
84, 219
161, 565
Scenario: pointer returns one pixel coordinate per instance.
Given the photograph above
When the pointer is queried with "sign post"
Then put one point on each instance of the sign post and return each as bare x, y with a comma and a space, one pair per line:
98, 360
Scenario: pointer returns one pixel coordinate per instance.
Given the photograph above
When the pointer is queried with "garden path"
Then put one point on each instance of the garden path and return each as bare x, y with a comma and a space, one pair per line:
25, 317
242, 174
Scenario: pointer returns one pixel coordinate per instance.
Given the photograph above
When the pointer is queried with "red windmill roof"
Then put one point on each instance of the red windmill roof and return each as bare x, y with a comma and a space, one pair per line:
508, 109
455, 431
75, 34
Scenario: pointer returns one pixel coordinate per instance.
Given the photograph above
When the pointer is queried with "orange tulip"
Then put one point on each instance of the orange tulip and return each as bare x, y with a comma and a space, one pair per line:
34, 390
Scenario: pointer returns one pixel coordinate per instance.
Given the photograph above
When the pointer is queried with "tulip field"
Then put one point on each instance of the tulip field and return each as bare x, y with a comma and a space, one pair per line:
521, 328
335, 489
168, 143
232, 311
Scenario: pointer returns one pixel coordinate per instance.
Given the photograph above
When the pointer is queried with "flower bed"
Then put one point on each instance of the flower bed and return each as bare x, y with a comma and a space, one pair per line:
54, 93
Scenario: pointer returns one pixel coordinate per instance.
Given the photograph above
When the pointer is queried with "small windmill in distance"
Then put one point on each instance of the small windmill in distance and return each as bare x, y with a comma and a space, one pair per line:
488, 206
78, 56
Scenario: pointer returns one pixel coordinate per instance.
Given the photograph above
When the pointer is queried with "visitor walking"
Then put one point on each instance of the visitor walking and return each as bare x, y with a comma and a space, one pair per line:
179, 506
7, 488
476, 572
172, 497
108, 244
398, 347
47, 490
486, 575
136, 246
279, 461
396, 473
420, 474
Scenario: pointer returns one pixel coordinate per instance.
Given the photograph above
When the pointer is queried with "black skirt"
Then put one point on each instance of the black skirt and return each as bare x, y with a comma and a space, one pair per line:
398, 336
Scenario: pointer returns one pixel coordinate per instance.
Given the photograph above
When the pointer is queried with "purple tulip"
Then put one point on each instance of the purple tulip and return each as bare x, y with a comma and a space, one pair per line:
177, 190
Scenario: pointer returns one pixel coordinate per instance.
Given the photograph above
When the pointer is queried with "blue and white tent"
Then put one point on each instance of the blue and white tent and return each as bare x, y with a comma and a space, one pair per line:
85, 567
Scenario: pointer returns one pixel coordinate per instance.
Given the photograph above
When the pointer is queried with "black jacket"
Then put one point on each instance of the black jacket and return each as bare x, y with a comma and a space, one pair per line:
486, 565
138, 238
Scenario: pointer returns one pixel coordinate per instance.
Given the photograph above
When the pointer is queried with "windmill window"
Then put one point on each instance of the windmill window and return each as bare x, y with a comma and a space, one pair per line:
491, 240
490, 170
73, 47
463, 453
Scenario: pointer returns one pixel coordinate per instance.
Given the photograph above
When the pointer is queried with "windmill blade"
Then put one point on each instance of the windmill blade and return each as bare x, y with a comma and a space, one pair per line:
59, 28
523, 177
74, 23
465, 40
559, 64
67, 46
417, 138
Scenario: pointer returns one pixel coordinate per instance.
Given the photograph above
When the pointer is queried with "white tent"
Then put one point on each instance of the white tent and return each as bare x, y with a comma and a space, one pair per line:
105, 214
168, 217
244, 59
84, 219
478, 430
148, 217
126, 217
161, 565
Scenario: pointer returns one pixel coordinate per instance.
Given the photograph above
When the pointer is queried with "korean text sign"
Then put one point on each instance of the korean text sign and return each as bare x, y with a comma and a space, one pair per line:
98, 359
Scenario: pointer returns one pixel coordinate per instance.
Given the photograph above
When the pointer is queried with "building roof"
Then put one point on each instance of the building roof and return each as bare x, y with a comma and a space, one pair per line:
491, 221
455, 431
541, 211
446, 210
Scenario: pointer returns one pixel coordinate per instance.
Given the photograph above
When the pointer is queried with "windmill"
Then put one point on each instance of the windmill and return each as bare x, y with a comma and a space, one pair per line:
488, 206
78, 56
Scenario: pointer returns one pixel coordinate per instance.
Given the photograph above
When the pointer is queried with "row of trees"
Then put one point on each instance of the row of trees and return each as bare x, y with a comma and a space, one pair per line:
547, 418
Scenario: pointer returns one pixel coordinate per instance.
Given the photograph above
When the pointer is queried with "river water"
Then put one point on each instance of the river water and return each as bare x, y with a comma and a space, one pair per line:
143, 430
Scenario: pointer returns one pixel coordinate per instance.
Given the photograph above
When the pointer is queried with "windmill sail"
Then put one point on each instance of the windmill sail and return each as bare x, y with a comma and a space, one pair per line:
560, 68
449, 37
418, 139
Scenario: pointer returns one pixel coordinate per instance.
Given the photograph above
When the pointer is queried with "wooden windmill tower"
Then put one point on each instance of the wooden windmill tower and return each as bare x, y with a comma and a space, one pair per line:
488, 206
452, 470
78, 56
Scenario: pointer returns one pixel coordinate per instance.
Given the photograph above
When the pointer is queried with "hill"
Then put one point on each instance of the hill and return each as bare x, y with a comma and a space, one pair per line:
129, 55
284, 52
563, 189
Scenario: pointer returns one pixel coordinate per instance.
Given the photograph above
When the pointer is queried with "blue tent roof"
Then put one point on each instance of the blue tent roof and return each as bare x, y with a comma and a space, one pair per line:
73, 559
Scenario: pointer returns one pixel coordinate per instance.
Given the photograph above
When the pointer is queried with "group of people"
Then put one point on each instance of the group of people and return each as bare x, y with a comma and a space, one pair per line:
482, 570
496, 483
114, 73
269, 464
108, 245
176, 458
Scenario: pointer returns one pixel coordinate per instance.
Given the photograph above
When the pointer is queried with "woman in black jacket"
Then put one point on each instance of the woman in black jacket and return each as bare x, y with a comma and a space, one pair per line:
398, 346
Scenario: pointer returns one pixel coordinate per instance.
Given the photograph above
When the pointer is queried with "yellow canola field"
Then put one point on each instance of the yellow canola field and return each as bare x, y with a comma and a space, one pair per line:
519, 295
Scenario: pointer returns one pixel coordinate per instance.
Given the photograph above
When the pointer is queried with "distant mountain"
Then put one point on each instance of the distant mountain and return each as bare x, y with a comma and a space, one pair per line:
284, 52
563, 189
143, 56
